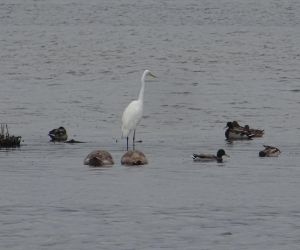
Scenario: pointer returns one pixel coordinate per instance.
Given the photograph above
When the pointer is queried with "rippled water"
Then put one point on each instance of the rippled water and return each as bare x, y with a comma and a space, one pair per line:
78, 63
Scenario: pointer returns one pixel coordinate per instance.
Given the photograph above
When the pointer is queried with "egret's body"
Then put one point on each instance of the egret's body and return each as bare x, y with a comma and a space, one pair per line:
133, 113
131, 117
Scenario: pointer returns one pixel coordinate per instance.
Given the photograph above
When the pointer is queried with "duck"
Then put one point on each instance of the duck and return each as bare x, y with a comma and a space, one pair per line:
99, 158
255, 132
134, 158
236, 133
58, 134
210, 157
269, 151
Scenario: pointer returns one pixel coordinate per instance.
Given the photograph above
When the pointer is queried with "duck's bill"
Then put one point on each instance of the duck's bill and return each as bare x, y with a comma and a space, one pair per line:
227, 155
150, 74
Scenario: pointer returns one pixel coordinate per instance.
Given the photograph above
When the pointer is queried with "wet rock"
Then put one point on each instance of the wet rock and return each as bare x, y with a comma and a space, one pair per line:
99, 158
134, 158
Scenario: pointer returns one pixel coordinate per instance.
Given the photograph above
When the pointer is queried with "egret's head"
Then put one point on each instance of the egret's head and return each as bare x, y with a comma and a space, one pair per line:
149, 73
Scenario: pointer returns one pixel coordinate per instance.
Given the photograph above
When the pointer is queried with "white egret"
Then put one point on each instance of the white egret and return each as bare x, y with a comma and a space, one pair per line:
133, 113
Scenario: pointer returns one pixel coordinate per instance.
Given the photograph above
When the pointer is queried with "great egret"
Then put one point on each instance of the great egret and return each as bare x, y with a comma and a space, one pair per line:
133, 113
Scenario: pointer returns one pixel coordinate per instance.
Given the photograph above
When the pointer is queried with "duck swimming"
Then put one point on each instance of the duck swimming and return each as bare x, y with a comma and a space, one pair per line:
236, 133
210, 157
255, 132
58, 134
269, 151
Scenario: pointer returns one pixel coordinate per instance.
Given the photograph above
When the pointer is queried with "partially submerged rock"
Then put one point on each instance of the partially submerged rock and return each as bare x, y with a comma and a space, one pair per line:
134, 158
7, 140
99, 158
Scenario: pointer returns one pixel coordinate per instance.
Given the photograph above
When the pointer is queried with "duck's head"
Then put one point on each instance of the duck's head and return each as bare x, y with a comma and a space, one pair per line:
262, 153
221, 153
229, 125
235, 124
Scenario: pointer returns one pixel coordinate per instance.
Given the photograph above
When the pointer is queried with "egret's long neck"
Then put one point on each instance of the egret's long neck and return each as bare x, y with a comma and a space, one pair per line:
141, 94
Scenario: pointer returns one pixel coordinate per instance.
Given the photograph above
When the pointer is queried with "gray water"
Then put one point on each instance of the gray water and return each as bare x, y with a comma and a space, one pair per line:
77, 64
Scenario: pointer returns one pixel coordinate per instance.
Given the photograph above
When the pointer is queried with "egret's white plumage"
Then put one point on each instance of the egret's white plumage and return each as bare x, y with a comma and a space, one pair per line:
131, 117
133, 113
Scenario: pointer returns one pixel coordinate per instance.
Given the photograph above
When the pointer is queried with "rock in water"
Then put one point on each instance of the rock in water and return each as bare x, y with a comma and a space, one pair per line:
99, 158
134, 158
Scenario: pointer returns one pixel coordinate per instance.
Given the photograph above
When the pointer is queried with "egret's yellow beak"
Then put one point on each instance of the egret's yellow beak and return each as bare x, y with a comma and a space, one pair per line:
150, 74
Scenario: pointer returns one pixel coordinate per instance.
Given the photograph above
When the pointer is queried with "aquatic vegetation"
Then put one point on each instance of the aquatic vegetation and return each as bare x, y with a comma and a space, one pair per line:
7, 140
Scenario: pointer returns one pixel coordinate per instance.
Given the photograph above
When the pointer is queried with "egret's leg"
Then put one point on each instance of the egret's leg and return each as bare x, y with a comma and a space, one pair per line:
133, 140
127, 142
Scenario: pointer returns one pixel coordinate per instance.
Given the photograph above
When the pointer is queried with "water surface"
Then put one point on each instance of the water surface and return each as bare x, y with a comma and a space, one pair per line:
77, 64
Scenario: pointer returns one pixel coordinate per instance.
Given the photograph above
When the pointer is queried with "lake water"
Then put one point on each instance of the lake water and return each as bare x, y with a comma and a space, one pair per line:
77, 64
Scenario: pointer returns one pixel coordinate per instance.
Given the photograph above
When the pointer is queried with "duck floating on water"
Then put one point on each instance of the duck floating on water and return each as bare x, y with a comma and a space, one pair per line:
269, 151
58, 134
211, 157
236, 133
255, 132
134, 158
99, 158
